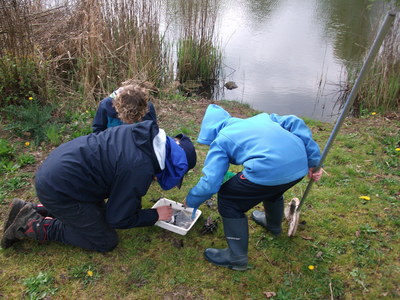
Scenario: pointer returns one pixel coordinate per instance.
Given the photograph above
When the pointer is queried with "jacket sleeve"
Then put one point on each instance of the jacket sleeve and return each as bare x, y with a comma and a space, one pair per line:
215, 167
124, 208
299, 128
100, 119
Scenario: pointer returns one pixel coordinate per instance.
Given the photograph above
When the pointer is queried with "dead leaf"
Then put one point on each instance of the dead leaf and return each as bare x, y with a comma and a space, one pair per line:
358, 233
124, 269
307, 238
319, 254
269, 294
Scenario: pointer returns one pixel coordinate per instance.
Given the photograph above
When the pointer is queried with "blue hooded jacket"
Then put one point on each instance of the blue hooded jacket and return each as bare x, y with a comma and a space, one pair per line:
273, 150
117, 164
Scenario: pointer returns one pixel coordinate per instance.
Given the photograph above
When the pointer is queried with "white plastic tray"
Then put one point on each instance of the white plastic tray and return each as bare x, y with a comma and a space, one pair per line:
177, 206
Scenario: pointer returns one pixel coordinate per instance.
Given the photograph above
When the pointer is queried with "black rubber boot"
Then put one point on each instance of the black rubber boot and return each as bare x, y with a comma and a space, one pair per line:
271, 217
27, 224
237, 237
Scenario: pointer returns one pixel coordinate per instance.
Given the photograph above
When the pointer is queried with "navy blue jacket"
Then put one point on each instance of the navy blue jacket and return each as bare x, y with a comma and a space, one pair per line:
117, 164
106, 115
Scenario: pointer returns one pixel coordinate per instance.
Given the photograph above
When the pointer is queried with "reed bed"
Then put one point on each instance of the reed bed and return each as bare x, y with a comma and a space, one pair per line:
380, 91
83, 48
198, 53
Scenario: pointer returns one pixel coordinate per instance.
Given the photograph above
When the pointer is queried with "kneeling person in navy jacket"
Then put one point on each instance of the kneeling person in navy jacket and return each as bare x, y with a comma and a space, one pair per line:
75, 181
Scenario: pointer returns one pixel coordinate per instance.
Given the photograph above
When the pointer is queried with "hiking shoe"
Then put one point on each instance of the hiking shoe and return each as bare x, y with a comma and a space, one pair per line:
15, 206
19, 229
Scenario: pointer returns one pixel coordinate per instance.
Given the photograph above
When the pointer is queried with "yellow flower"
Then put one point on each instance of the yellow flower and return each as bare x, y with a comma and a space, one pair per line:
27, 144
397, 149
373, 113
90, 273
30, 98
87, 111
311, 267
364, 198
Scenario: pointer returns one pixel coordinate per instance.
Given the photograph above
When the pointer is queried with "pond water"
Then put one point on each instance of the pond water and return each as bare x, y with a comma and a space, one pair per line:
289, 57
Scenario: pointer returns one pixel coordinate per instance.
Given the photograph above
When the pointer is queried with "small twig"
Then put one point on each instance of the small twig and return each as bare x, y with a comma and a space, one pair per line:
266, 257
262, 251
330, 288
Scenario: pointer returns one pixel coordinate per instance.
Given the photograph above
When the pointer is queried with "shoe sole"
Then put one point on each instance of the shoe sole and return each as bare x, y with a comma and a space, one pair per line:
11, 235
229, 266
15, 206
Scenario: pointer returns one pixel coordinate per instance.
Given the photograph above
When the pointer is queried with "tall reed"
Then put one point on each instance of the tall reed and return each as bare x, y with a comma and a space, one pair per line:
15, 28
198, 53
380, 91
21, 75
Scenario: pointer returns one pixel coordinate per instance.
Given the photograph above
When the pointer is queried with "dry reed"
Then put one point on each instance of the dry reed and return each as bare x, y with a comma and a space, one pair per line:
88, 46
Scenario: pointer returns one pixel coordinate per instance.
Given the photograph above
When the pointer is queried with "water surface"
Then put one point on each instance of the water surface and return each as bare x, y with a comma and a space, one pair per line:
289, 57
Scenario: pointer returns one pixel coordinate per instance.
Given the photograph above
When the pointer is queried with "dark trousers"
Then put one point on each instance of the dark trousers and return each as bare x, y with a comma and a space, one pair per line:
238, 195
80, 224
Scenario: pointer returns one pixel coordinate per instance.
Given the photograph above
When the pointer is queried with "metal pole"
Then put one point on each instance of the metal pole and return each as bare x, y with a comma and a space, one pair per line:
387, 23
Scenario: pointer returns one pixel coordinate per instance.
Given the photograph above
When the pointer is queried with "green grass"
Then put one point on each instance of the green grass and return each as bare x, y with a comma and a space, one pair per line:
352, 243
39, 287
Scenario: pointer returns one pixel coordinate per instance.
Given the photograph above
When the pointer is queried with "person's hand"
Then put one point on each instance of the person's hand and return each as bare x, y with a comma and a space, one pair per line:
315, 175
194, 214
164, 213
194, 210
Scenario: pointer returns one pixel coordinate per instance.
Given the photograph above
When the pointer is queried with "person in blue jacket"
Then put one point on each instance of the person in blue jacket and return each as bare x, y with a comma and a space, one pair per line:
93, 184
276, 153
127, 105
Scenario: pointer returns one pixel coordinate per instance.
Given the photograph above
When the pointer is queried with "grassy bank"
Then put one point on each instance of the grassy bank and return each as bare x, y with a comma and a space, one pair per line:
347, 246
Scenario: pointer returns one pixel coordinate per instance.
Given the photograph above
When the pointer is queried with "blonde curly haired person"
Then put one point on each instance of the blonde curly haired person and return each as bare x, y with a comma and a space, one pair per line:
127, 105
131, 103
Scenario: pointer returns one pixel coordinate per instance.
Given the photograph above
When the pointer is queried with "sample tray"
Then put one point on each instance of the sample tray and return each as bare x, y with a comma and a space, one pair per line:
176, 206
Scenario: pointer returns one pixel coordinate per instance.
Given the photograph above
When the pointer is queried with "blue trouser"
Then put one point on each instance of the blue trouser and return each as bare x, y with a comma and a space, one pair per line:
81, 224
238, 195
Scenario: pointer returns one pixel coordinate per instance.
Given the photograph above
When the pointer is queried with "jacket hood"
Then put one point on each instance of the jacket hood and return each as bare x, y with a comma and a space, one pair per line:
176, 166
109, 103
145, 132
110, 109
215, 119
